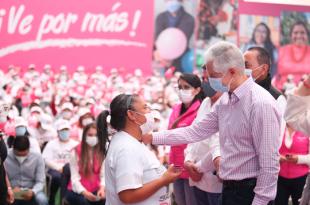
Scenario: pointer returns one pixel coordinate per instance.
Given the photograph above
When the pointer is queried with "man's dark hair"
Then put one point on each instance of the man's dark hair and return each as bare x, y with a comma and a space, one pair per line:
21, 143
263, 56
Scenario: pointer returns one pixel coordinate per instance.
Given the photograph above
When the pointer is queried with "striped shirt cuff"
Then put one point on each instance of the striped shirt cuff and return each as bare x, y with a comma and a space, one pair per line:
158, 138
260, 200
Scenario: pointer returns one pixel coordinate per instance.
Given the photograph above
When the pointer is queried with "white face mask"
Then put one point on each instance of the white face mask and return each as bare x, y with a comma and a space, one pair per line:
148, 126
21, 159
186, 96
92, 140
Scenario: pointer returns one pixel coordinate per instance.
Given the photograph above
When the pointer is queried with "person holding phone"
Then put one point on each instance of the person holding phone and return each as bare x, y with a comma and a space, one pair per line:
133, 173
86, 186
294, 166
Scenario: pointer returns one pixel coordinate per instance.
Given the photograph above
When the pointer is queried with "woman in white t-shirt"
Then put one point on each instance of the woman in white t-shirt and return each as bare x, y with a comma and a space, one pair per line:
133, 174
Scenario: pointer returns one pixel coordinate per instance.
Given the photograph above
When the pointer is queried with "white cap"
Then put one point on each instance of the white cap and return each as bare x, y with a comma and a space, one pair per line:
63, 68
80, 68
36, 109
47, 66
99, 68
67, 106
62, 124
138, 72
113, 70
20, 121
83, 111
32, 66
46, 121
90, 101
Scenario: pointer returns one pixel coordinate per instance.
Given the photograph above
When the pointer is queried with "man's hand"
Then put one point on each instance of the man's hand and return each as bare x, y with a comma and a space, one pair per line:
216, 163
147, 139
28, 195
10, 196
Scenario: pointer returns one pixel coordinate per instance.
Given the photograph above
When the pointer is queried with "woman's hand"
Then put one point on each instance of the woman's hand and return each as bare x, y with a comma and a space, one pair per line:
101, 193
194, 174
89, 196
292, 158
171, 174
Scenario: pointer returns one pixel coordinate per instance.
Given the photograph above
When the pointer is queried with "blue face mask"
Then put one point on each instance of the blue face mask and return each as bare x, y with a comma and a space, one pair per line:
248, 72
217, 85
20, 131
207, 89
64, 135
173, 6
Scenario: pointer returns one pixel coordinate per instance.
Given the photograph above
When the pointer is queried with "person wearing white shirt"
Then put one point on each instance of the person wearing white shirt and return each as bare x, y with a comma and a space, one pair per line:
133, 173
297, 115
56, 154
202, 158
87, 184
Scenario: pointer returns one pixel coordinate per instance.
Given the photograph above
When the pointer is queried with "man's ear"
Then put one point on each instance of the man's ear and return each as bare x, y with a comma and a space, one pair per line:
265, 68
231, 71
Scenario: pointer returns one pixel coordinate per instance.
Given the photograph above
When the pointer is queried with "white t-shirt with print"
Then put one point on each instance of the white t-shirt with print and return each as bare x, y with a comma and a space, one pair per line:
56, 153
130, 164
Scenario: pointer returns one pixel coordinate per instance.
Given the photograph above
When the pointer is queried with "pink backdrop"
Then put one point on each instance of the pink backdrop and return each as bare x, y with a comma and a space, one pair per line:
122, 38
263, 9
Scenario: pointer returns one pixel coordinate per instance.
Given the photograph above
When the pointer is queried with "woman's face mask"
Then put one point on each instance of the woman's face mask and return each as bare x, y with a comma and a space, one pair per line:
92, 140
148, 126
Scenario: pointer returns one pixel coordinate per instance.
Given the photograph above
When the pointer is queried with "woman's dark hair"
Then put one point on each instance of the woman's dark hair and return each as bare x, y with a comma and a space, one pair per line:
300, 23
268, 45
195, 82
118, 111
21, 143
98, 150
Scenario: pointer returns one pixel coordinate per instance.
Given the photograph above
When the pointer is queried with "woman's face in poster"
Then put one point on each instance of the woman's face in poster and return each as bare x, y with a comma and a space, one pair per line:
299, 35
260, 34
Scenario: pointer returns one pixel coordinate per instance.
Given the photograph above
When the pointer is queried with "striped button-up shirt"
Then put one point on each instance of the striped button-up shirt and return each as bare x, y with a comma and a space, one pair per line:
248, 122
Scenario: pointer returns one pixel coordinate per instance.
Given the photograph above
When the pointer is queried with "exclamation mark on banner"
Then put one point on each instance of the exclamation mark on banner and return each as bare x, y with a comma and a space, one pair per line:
135, 23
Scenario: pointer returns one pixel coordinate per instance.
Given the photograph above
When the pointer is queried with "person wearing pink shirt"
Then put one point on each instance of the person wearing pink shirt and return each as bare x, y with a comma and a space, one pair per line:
294, 166
87, 184
183, 114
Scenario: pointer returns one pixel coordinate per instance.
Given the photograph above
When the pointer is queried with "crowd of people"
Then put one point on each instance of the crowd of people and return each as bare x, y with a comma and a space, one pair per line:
225, 136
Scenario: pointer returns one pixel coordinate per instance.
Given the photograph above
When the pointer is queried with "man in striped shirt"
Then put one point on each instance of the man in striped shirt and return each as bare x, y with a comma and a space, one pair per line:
248, 123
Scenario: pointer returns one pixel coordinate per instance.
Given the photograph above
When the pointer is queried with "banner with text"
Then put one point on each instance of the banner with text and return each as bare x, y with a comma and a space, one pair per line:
107, 33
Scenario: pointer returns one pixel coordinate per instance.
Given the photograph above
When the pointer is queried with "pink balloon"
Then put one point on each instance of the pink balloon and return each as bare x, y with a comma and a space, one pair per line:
171, 43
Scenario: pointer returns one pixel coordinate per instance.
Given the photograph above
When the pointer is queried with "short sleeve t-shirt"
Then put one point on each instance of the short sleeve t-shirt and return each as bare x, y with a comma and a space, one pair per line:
130, 164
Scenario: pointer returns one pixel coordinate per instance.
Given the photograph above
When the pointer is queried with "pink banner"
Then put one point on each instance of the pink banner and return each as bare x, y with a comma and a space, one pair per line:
264, 9
72, 33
